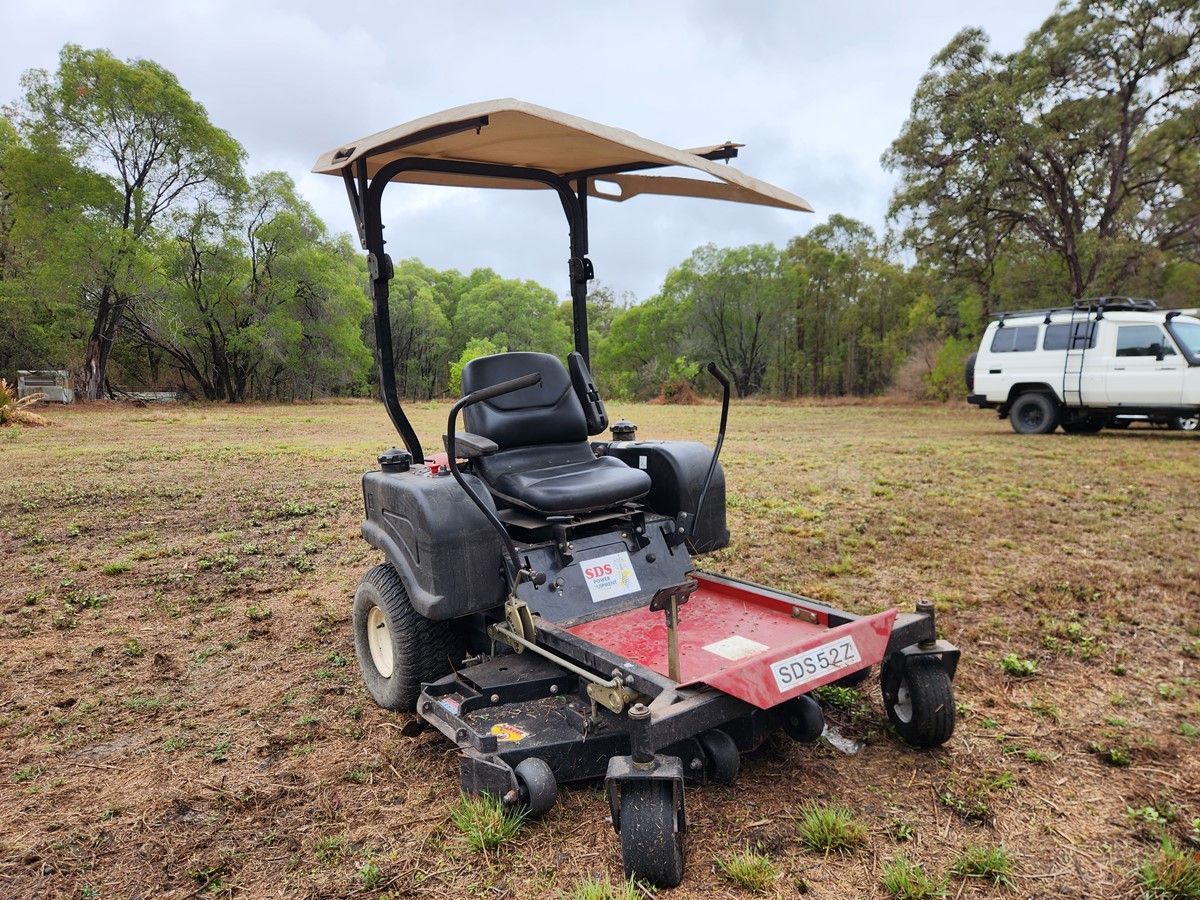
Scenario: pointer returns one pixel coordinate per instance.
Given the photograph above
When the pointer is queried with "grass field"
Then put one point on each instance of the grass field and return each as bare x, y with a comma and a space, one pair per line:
181, 713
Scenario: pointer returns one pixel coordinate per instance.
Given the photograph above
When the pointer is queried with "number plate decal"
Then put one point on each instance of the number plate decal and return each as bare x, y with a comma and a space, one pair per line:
798, 670
609, 576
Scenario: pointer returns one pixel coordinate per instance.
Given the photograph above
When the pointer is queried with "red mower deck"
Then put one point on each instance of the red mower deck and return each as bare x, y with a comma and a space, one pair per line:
753, 645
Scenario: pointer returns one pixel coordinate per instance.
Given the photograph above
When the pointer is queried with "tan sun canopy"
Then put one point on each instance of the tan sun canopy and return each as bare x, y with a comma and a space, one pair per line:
514, 133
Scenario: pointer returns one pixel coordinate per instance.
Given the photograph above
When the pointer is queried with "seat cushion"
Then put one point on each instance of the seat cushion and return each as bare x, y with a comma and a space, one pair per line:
562, 479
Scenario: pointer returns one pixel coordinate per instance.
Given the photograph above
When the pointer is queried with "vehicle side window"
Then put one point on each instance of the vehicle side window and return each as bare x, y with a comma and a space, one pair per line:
1010, 339
1142, 340
1056, 336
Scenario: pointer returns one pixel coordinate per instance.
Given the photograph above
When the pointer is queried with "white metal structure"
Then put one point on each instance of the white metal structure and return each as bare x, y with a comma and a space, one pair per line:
1097, 364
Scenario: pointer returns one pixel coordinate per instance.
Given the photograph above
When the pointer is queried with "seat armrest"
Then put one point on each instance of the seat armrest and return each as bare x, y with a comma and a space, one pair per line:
469, 446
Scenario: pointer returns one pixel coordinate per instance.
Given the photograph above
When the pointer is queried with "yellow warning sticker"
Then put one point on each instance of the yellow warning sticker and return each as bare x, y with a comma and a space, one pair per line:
510, 733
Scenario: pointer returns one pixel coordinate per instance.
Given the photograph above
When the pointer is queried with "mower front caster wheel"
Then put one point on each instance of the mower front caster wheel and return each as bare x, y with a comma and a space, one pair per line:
919, 700
538, 786
652, 829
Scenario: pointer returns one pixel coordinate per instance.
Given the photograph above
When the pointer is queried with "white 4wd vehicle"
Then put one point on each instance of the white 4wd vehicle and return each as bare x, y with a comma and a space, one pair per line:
1100, 363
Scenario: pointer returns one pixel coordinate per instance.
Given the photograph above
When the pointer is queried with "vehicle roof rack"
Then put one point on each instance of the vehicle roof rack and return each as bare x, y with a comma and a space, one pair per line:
1099, 305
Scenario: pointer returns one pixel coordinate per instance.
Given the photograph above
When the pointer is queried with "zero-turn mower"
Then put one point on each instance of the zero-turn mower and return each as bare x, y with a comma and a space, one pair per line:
538, 603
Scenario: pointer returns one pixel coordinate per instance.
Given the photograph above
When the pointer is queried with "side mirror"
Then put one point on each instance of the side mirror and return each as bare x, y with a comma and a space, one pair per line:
1159, 353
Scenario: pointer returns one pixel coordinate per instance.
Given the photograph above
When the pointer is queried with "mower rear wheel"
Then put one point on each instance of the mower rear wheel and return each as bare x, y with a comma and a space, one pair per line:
721, 757
919, 700
539, 787
803, 719
397, 647
651, 833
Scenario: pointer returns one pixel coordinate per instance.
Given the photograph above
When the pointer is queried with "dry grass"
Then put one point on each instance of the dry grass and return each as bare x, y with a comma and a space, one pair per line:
14, 412
193, 723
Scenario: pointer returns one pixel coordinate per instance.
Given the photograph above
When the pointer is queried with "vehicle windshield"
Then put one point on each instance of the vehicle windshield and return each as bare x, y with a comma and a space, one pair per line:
1188, 334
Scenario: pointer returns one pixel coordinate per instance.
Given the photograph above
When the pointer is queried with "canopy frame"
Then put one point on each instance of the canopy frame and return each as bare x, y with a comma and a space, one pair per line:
365, 194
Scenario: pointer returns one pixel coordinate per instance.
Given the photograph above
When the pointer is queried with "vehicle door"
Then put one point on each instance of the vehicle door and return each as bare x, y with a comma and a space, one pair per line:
1144, 369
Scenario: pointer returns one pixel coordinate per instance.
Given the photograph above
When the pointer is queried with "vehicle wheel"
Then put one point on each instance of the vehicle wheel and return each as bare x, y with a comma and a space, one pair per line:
651, 833
919, 700
854, 679
1034, 413
969, 373
722, 760
1083, 426
1185, 423
397, 648
802, 719
539, 787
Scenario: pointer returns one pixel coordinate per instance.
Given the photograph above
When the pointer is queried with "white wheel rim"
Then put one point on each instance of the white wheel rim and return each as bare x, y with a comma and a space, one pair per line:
379, 639
1189, 423
903, 706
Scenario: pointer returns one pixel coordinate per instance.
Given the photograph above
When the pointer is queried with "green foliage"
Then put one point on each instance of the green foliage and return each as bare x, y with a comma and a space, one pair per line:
749, 869
476, 347
485, 821
825, 828
1171, 874
603, 889
994, 864
904, 879
1017, 667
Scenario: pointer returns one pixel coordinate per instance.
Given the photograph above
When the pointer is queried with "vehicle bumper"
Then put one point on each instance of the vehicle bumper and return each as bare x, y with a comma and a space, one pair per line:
979, 400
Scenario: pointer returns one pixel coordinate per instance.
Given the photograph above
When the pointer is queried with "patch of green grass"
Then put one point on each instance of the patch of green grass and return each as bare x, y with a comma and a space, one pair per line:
906, 880
1117, 755
293, 509
133, 649
370, 876
219, 752
116, 567
329, 850
1188, 730
1017, 667
902, 831
1169, 692
749, 869
603, 889
1171, 874
175, 743
826, 828
994, 864
256, 613
1156, 815
26, 774
838, 697
485, 821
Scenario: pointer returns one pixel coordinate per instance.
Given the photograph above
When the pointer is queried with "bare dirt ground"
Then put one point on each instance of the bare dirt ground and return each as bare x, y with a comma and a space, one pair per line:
181, 715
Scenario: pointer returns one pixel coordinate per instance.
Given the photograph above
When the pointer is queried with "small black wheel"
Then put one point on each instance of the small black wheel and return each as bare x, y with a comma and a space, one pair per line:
1185, 423
721, 757
397, 647
919, 700
1034, 413
539, 787
854, 679
652, 830
802, 719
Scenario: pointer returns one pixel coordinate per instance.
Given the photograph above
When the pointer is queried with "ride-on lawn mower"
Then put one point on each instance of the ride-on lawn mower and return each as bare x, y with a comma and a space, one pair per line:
539, 605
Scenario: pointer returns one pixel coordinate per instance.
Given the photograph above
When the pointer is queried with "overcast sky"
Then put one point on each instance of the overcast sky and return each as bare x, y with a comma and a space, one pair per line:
815, 90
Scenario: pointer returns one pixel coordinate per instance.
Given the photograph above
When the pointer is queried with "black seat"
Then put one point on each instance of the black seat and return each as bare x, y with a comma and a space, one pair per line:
544, 463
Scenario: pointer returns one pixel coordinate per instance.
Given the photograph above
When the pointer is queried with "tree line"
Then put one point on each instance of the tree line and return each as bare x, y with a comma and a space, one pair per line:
136, 250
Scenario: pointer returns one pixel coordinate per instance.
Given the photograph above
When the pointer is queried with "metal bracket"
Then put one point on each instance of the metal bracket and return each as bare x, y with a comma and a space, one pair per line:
581, 268
520, 620
612, 697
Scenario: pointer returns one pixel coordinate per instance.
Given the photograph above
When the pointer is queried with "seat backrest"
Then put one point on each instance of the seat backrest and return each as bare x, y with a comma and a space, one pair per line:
547, 413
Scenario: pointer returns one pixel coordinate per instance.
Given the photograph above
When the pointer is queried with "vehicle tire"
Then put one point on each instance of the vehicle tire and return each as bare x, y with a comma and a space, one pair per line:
538, 786
1034, 413
803, 719
969, 373
919, 700
1185, 423
652, 832
398, 649
1083, 426
854, 679
721, 757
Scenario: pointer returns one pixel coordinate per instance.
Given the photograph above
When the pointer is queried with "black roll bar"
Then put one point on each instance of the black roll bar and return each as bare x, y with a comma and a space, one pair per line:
366, 195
